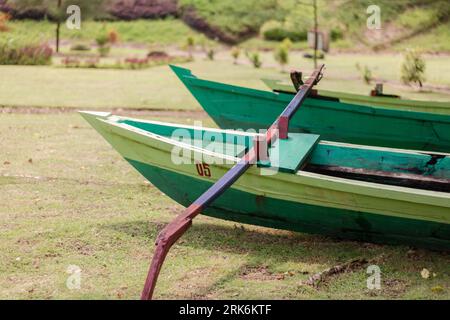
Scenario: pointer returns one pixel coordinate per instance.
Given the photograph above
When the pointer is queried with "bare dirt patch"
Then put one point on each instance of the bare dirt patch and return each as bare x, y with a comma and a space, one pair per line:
260, 273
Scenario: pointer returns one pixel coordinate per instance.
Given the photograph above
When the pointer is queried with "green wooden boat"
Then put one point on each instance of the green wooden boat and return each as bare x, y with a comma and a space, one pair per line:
346, 191
233, 107
376, 101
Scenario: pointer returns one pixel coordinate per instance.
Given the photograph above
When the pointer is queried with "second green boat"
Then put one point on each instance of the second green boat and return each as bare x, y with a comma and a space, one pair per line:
233, 107
367, 100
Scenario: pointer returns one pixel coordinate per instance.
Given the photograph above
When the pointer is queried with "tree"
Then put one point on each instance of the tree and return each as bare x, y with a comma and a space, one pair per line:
413, 68
57, 10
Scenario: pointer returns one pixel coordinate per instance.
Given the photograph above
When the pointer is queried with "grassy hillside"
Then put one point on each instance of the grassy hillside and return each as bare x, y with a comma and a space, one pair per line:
237, 20
163, 32
422, 23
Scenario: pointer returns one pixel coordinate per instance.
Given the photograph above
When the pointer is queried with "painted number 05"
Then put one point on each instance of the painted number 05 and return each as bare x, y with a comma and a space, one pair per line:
203, 170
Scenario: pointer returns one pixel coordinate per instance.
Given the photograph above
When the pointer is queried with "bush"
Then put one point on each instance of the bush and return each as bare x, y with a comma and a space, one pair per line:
413, 68
310, 54
12, 53
143, 9
281, 55
190, 44
235, 53
366, 73
136, 63
276, 31
103, 44
113, 36
211, 53
4, 18
255, 59
80, 47
336, 34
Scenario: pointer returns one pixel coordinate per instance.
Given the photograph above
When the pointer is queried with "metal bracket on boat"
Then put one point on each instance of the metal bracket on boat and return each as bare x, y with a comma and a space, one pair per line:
174, 230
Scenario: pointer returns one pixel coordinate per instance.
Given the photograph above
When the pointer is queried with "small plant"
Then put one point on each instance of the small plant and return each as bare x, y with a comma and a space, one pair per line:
255, 59
136, 63
70, 62
366, 73
287, 43
12, 53
235, 53
190, 43
103, 44
80, 47
281, 55
113, 36
4, 18
413, 68
211, 53
92, 63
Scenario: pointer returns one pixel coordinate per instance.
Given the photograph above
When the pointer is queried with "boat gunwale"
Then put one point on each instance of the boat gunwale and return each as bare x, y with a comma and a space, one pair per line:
372, 189
278, 84
275, 96
322, 142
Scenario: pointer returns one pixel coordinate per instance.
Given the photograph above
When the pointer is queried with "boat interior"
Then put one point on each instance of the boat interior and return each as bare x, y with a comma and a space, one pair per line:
413, 169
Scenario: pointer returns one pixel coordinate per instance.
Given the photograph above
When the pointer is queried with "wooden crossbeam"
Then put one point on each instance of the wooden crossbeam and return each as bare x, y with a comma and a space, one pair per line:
175, 229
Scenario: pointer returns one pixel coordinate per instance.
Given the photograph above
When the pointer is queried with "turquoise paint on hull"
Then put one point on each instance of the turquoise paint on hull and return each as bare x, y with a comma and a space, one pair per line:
321, 154
248, 208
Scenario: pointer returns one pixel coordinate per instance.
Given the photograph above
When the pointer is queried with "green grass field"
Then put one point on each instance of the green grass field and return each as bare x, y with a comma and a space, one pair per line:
158, 88
67, 198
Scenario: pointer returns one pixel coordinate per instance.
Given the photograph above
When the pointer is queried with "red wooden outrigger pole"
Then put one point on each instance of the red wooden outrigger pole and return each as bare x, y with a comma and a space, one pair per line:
174, 230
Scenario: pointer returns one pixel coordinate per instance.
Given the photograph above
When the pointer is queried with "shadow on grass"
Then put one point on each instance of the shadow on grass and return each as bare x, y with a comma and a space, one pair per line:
270, 249
263, 244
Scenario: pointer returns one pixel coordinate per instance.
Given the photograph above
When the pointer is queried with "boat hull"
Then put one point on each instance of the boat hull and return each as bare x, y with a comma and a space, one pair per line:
245, 207
303, 202
384, 102
234, 107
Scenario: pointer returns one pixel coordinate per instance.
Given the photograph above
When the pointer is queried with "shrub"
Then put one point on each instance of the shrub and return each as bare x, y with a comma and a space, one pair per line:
158, 55
413, 68
12, 53
235, 53
366, 73
70, 62
103, 44
276, 31
113, 36
104, 51
255, 59
336, 34
287, 43
190, 43
4, 18
143, 9
281, 55
210, 53
136, 63
80, 47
